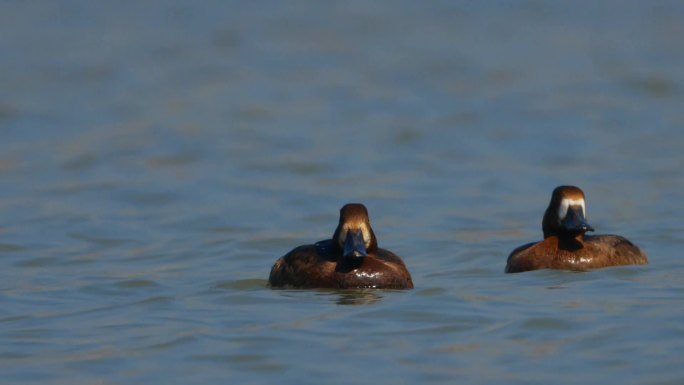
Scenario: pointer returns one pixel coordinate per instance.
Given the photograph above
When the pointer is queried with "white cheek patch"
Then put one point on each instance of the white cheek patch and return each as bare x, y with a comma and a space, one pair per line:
366, 236
566, 203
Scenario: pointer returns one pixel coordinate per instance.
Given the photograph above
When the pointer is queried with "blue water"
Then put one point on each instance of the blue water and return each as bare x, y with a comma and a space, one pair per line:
157, 157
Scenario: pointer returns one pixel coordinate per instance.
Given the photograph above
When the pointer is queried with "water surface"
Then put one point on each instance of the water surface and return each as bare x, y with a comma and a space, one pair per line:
157, 157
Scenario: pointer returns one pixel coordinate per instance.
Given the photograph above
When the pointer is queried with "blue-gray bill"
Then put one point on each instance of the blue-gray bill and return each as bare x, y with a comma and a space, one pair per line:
354, 245
575, 221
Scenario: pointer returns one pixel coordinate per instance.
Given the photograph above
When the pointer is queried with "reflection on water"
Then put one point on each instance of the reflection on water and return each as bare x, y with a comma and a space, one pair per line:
357, 297
242, 284
157, 157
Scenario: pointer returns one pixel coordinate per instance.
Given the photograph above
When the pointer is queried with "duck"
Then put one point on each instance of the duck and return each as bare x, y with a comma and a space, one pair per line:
565, 245
350, 259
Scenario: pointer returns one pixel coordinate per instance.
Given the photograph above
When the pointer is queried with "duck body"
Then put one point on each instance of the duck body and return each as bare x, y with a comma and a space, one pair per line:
591, 252
317, 266
565, 245
350, 259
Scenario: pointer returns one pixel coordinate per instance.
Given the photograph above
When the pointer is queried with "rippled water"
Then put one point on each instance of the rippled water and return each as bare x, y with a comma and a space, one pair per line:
157, 157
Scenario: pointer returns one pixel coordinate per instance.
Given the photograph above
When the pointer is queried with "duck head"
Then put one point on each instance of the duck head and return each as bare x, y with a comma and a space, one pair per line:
566, 215
354, 235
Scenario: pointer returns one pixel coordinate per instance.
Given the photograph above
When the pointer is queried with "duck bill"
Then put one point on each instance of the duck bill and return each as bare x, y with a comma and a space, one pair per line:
575, 222
354, 246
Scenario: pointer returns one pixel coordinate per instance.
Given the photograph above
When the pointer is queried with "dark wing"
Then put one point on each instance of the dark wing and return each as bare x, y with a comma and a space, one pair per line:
303, 266
515, 264
619, 250
388, 256
287, 270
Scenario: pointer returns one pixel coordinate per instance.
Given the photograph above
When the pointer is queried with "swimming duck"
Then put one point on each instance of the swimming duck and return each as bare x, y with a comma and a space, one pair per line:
566, 247
351, 259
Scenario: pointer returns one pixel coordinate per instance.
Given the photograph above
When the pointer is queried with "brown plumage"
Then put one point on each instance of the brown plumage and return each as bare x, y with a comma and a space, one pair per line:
565, 245
351, 259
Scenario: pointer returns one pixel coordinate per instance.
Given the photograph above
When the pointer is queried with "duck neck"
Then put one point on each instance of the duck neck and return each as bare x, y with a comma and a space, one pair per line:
564, 235
571, 242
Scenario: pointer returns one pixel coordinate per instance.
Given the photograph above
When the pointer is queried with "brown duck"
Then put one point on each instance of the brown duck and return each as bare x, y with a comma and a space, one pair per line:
566, 247
351, 259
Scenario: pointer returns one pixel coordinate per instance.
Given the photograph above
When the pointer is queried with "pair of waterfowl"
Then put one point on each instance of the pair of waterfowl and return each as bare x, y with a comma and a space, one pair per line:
352, 258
